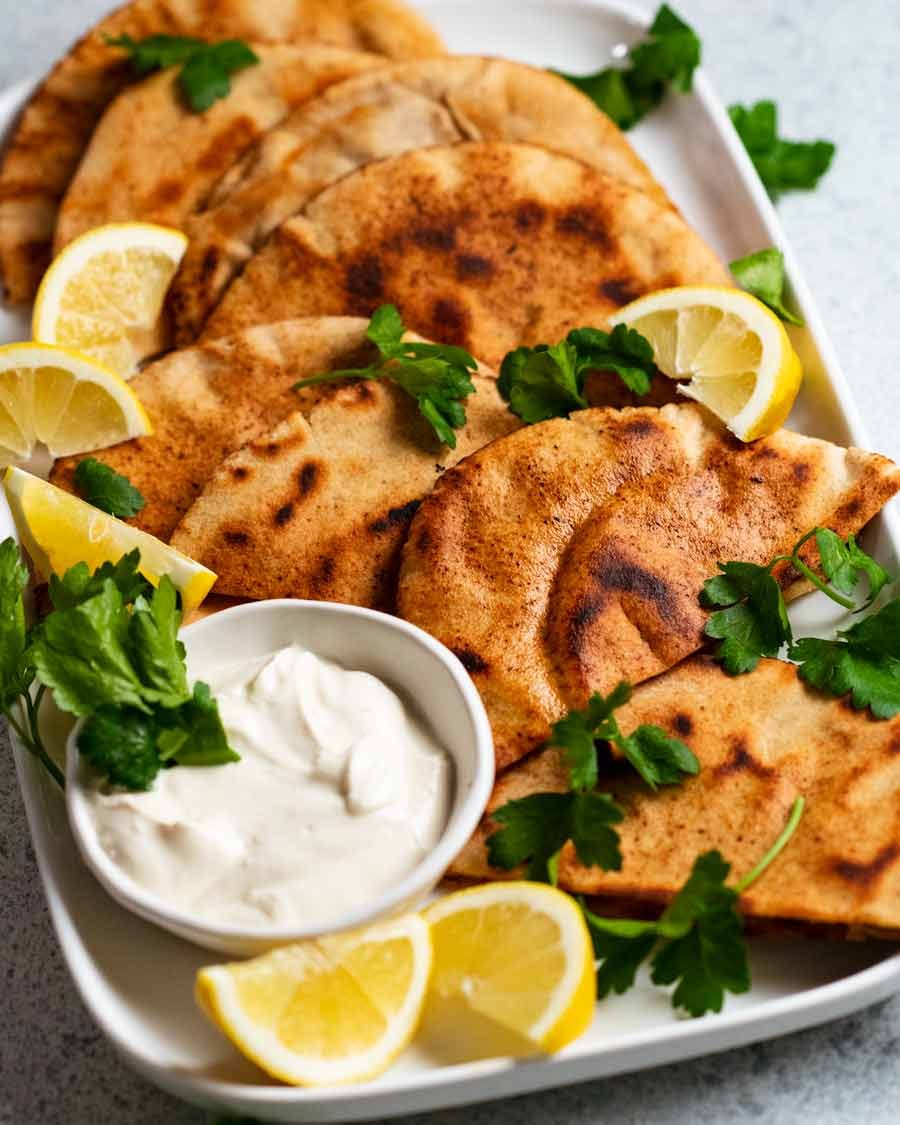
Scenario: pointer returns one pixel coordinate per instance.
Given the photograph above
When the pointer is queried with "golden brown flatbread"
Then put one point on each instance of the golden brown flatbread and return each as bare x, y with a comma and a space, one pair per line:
762, 740
152, 159
570, 555
206, 402
398, 108
488, 245
57, 123
319, 507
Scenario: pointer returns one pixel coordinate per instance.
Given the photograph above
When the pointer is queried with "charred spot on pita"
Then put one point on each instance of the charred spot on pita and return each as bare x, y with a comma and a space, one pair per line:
471, 661
236, 538
471, 266
365, 279
308, 477
529, 215
584, 223
742, 761
284, 513
620, 290
395, 517
866, 874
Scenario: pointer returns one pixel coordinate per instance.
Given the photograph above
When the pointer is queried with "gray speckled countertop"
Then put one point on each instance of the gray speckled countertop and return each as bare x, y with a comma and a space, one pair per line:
832, 66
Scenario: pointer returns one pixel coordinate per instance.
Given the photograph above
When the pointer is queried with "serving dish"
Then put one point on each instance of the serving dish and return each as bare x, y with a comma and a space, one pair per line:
152, 1021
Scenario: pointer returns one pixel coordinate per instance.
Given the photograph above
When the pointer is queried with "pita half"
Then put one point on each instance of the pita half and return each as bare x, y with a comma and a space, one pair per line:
206, 402
762, 739
319, 506
56, 126
394, 110
151, 159
487, 245
571, 554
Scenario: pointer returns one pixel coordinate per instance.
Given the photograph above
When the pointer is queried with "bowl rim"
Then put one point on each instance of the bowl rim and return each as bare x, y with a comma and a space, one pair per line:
465, 814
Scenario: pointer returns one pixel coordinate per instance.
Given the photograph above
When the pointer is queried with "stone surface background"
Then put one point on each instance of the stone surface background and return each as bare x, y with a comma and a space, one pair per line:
832, 67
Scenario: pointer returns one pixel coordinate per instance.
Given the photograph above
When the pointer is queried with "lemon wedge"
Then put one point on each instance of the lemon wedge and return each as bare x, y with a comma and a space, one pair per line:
103, 294
58, 530
733, 350
519, 954
335, 1010
65, 400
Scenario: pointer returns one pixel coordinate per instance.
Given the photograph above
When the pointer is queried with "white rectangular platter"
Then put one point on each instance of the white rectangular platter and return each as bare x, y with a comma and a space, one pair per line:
137, 981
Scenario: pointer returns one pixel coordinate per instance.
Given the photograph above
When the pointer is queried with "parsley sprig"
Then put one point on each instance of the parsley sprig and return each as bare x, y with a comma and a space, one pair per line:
862, 661
535, 828
667, 57
437, 376
107, 490
762, 274
109, 651
547, 381
697, 944
754, 621
782, 165
206, 68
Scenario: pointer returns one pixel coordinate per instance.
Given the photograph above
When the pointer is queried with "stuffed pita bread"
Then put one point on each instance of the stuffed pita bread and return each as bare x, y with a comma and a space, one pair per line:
57, 123
486, 245
762, 740
319, 507
151, 159
394, 110
570, 555
206, 402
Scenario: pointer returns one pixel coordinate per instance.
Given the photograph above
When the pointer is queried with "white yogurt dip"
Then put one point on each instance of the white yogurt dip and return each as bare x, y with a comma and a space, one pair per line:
340, 792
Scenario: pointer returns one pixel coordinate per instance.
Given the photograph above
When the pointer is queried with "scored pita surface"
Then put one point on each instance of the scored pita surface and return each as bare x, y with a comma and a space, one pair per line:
56, 125
570, 555
319, 507
151, 159
488, 245
762, 740
207, 401
396, 109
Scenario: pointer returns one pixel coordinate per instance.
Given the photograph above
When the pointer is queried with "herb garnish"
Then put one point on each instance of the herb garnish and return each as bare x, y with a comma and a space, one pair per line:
781, 165
108, 651
762, 274
698, 940
668, 57
535, 828
437, 376
106, 489
863, 660
547, 381
659, 759
206, 69
755, 622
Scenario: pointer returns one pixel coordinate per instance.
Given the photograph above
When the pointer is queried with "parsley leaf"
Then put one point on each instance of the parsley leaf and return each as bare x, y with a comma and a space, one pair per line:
206, 76
703, 949
659, 759
120, 742
843, 563
547, 381
781, 165
193, 735
698, 939
156, 652
82, 654
78, 584
668, 57
206, 70
535, 828
755, 624
130, 747
106, 489
437, 376
863, 662
157, 52
762, 274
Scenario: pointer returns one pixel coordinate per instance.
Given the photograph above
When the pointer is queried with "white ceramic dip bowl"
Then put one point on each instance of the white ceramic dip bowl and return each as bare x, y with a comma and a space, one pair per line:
424, 673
